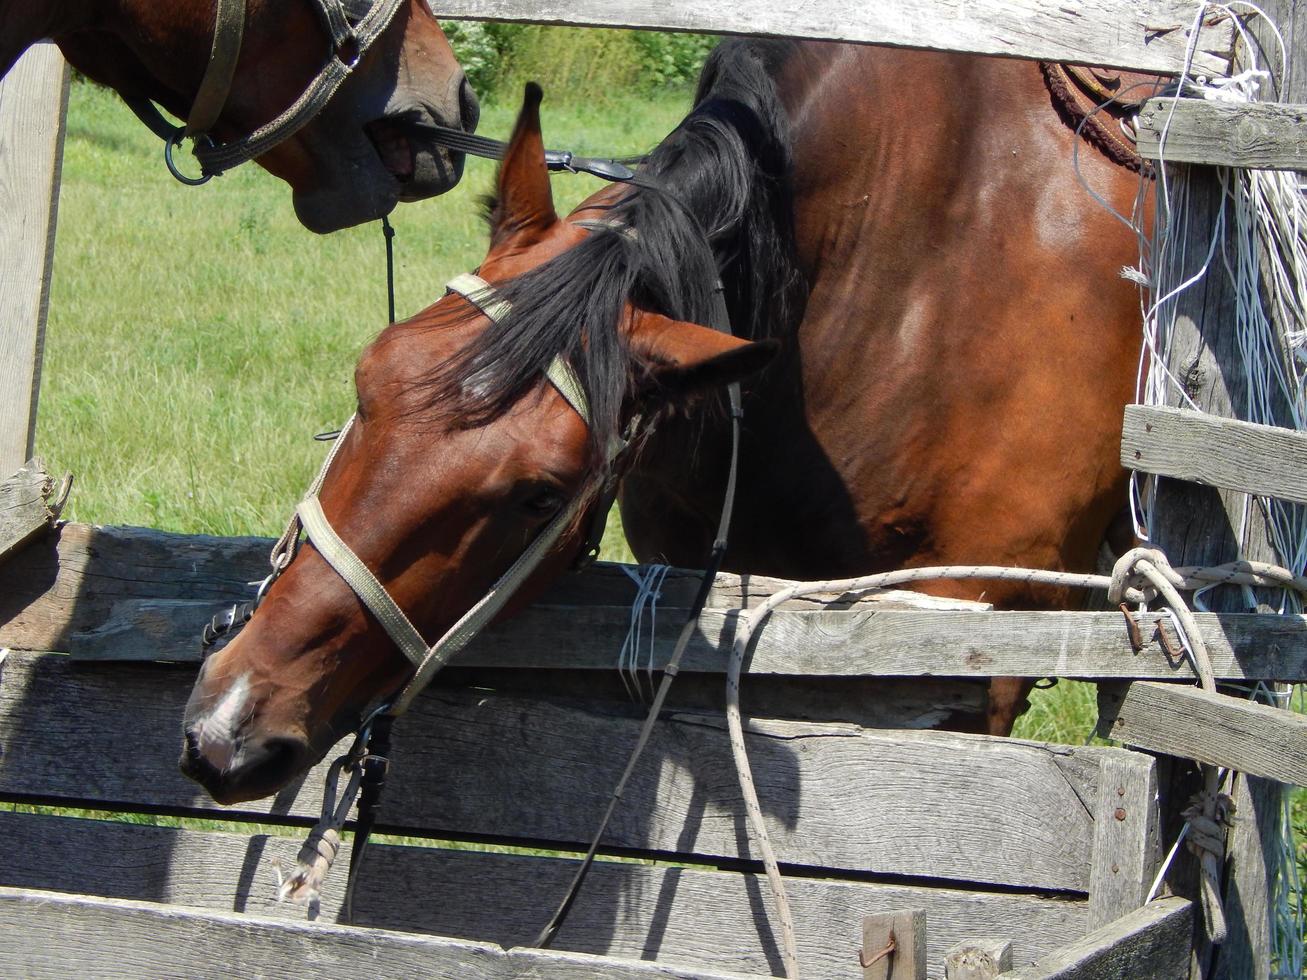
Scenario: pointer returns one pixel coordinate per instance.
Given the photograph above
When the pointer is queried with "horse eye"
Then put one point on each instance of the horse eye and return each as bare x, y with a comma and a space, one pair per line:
543, 502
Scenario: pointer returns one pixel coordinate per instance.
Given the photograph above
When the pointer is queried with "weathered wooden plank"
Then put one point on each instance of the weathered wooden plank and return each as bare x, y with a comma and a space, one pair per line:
712, 919
86, 579
1149, 36
1256, 834
23, 509
72, 585
51, 935
1126, 842
32, 100
1150, 942
978, 959
1212, 728
921, 803
1259, 135
1216, 452
872, 702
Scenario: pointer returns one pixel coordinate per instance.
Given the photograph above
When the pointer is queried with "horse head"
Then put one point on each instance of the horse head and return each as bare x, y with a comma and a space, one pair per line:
366, 150
466, 449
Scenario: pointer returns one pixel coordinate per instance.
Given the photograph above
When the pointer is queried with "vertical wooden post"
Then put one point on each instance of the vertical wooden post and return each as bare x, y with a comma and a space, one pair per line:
33, 97
894, 945
1201, 525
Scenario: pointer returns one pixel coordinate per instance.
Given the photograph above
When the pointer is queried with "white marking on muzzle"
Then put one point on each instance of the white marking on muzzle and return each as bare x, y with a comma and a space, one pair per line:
217, 734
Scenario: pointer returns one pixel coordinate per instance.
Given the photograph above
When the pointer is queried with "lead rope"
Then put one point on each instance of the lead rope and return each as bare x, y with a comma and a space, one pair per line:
550, 931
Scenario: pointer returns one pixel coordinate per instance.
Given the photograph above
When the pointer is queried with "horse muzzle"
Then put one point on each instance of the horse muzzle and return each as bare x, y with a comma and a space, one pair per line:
258, 769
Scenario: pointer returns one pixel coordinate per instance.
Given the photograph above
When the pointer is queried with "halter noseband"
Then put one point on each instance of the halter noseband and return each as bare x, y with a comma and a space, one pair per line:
351, 36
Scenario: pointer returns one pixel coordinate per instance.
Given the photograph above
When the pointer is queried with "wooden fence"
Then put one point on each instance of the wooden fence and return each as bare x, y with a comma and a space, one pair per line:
1021, 855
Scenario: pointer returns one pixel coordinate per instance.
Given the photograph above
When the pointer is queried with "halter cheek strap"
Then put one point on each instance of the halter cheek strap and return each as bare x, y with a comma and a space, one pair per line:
428, 659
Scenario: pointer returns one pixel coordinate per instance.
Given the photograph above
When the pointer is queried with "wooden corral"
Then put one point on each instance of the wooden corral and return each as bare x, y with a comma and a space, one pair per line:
993, 856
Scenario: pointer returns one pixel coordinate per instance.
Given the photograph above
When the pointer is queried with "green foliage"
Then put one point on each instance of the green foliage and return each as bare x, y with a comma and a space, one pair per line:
594, 64
671, 59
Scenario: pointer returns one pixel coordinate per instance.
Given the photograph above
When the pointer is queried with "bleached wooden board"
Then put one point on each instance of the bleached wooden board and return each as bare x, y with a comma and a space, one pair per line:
472, 763
1214, 728
1259, 135
1151, 942
32, 100
706, 918
55, 936
1148, 36
143, 593
23, 510
1217, 452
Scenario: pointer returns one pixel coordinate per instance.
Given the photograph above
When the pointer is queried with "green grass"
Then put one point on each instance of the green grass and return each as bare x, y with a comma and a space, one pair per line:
198, 337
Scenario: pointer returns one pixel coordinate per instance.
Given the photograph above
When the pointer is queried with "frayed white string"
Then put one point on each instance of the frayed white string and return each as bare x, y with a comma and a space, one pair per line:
648, 581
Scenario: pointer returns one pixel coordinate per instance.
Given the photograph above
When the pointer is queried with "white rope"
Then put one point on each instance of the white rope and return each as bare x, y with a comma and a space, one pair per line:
648, 581
1138, 577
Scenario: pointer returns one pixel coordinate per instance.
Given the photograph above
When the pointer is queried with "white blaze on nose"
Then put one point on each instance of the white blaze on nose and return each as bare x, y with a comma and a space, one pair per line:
217, 733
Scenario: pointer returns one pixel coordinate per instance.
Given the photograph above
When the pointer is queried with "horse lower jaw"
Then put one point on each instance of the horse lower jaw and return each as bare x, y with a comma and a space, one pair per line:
369, 190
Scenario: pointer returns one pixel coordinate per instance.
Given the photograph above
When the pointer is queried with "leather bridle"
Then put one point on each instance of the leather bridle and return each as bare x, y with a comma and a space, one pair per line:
352, 25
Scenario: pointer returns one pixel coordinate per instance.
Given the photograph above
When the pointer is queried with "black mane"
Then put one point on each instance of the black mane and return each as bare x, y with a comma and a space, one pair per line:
712, 199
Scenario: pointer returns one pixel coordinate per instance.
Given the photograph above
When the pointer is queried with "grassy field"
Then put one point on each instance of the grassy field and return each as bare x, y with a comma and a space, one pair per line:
199, 337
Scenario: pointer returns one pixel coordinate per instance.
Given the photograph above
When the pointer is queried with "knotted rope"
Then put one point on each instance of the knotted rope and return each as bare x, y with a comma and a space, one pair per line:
318, 852
1139, 577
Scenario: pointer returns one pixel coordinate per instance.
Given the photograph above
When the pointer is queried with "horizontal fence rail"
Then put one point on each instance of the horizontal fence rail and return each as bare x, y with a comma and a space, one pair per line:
479, 765
1148, 36
1260, 136
711, 919
133, 593
1215, 451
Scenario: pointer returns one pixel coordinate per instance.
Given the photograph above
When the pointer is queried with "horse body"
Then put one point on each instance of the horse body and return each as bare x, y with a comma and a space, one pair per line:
353, 162
965, 350
952, 348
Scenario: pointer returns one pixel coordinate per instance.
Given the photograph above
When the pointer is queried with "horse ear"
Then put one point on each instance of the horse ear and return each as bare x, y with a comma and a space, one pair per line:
686, 359
525, 202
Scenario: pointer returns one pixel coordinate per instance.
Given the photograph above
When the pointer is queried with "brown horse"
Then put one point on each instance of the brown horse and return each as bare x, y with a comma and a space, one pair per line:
358, 157
952, 342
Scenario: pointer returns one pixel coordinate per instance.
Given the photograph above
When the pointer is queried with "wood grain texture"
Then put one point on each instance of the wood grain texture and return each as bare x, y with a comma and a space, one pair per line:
89, 589
23, 510
1150, 942
837, 643
1212, 728
711, 919
901, 932
1260, 136
1216, 452
834, 796
1126, 842
32, 100
1148, 36
50, 935
1254, 836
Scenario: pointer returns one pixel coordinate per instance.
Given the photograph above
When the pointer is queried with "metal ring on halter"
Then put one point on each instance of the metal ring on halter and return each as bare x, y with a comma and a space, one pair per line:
176, 140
